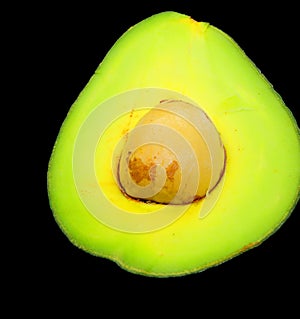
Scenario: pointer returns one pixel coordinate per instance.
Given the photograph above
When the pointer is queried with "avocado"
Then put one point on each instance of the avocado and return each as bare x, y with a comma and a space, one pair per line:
175, 106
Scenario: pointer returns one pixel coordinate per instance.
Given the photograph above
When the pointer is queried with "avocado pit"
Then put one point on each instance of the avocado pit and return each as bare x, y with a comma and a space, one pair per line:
174, 155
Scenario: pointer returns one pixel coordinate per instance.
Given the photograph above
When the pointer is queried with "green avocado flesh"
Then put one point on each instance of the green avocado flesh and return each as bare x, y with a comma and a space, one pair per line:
170, 56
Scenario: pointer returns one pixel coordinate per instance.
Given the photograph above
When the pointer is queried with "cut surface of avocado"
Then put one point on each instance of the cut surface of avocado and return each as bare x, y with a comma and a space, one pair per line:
171, 57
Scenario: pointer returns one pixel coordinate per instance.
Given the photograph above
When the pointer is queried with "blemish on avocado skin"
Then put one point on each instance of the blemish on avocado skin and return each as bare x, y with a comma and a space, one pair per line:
249, 246
200, 27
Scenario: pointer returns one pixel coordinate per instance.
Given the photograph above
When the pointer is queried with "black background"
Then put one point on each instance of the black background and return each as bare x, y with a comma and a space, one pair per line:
63, 45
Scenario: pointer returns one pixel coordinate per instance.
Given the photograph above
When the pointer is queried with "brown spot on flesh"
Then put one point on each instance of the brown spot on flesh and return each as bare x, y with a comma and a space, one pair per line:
138, 170
171, 169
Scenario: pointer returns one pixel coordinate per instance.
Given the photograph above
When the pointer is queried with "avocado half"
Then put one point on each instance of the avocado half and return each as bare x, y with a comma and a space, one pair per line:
169, 56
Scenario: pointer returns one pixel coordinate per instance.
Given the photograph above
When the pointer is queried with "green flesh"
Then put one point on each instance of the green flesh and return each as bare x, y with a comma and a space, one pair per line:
261, 183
